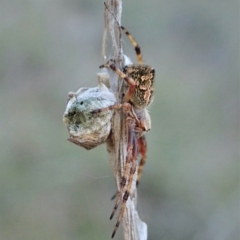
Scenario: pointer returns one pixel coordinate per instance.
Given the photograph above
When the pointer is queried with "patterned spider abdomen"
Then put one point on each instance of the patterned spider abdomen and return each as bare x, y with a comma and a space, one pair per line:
85, 129
143, 75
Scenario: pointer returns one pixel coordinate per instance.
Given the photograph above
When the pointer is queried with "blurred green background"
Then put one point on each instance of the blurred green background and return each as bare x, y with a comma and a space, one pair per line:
52, 189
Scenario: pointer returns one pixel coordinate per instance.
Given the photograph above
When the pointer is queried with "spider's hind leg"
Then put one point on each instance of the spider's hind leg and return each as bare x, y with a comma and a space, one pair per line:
131, 154
129, 170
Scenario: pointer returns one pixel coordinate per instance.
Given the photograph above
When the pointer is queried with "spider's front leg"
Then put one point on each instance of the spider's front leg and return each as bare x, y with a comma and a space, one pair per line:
128, 174
131, 83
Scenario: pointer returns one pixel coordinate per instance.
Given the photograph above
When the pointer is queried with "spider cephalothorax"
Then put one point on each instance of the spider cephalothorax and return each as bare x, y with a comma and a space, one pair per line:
139, 80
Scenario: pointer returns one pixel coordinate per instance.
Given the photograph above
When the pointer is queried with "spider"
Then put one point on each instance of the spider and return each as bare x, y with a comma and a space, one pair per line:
139, 80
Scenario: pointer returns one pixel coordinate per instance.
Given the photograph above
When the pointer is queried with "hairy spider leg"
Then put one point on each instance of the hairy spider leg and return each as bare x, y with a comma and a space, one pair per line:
133, 160
127, 167
135, 44
125, 106
142, 148
130, 81
130, 37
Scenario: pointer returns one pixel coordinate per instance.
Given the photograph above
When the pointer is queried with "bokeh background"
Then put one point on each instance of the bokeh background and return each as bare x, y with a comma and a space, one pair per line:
52, 189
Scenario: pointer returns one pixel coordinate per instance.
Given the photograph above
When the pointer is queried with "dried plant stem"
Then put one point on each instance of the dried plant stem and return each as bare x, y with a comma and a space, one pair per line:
134, 228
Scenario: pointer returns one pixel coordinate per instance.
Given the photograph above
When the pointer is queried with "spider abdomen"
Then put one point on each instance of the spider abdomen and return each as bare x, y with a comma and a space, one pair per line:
143, 75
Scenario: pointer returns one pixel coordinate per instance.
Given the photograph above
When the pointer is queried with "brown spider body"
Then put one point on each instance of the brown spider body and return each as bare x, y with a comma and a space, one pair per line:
143, 76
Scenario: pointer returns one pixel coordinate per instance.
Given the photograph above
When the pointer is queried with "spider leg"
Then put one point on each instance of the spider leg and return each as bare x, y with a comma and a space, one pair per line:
135, 44
142, 148
111, 107
129, 184
130, 37
125, 106
130, 151
130, 81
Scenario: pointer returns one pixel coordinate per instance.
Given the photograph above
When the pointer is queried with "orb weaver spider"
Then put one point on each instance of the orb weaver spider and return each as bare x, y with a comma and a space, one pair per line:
139, 80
